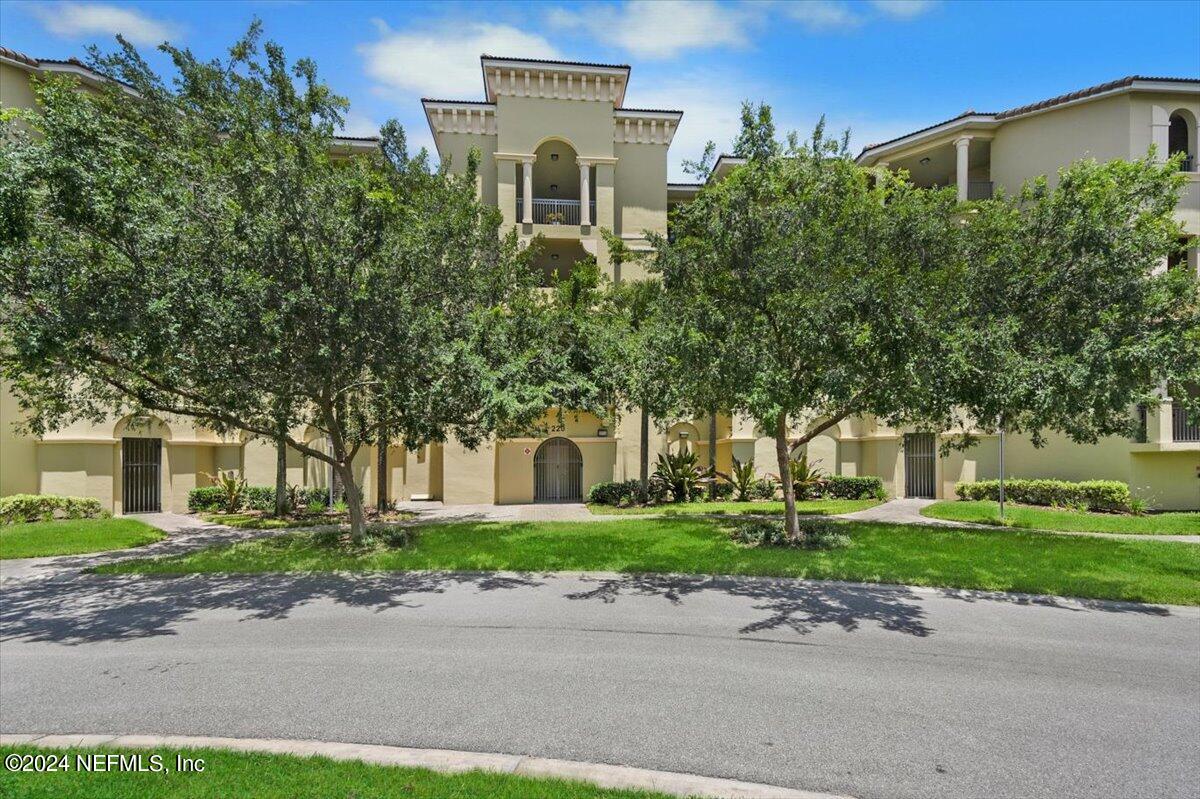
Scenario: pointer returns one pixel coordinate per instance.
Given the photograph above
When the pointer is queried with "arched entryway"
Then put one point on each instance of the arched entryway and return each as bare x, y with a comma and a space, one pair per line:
557, 472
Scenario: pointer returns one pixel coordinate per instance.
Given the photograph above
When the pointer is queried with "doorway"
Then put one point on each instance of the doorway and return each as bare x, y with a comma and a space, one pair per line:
920, 460
141, 472
557, 472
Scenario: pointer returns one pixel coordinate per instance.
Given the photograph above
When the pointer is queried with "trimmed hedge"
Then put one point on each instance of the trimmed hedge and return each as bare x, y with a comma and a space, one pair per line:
626, 492
1110, 496
212, 498
844, 487
19, 508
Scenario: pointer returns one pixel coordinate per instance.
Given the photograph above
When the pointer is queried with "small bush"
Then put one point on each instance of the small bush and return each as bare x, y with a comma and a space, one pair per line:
1110, 496
764, 489
19, 508
815, 533
723, 491
389, 535
624, 493
841, 486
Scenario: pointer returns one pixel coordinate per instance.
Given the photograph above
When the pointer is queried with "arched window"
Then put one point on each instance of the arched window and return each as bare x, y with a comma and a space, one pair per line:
1180, 139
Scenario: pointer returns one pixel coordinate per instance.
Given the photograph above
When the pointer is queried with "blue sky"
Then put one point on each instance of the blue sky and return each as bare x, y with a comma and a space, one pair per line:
879, 68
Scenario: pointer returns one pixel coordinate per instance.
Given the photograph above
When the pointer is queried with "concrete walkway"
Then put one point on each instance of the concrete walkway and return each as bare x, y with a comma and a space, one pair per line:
443, 760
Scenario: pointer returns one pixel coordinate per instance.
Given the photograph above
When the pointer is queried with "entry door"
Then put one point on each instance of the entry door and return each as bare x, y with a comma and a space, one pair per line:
141, 467
919, 462
558, 472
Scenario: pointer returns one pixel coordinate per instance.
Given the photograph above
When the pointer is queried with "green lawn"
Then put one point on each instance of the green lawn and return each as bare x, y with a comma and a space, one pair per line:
264, 776
821, 507
1042, 563
73, 537
1037, 518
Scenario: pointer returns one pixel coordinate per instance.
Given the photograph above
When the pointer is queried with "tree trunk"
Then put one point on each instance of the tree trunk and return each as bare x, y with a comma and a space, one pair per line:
336, 486
712, 455
353, 499
382, 500
644, 452
281, 495
791, 523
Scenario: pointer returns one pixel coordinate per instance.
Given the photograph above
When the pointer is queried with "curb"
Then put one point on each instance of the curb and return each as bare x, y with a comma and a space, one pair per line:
443, 760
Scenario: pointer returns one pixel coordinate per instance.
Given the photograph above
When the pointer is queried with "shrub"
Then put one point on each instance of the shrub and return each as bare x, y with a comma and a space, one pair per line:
806, 480
764, 489
212, 498
681, 473
815, 532
1097, 495
232, 489
742, 479
613, 493
19, 508
843, 487
722, 490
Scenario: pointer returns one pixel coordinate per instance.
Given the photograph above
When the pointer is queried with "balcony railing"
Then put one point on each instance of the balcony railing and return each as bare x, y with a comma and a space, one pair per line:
555, 212
979, 190
1181, 430
1188, 164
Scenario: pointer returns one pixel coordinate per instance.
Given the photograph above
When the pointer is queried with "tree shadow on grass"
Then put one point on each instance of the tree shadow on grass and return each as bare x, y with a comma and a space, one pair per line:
78, 609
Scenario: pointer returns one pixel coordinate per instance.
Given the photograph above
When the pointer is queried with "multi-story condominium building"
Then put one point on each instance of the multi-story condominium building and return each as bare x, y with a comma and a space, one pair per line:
563, 158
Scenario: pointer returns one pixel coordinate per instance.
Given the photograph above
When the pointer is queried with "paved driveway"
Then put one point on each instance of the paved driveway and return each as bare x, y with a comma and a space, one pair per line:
872, 691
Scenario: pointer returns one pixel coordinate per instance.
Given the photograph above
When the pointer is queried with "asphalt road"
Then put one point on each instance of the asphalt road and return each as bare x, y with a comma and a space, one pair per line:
868, 691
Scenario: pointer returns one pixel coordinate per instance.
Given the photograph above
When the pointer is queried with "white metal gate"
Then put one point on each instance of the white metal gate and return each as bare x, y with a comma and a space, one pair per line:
557, 472
920, 454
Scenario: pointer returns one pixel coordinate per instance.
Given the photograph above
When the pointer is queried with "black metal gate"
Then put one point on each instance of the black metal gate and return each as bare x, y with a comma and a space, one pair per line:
141, 466
920, 460
557, 472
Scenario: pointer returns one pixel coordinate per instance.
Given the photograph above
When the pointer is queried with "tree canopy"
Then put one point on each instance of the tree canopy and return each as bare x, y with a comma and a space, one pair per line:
206, 248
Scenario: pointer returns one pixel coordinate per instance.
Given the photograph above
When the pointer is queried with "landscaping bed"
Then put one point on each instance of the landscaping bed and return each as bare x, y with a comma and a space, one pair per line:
822, 507
1041, 518
1030, 562
270, 776
74, 537
250, 520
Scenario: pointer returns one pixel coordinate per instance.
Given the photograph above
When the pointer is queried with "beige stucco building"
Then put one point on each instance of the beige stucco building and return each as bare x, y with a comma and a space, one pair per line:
562, 157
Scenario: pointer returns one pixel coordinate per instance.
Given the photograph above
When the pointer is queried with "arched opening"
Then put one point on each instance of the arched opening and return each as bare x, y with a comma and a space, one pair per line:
557, 471
142, 473
1181, 139
556, 186
557, 257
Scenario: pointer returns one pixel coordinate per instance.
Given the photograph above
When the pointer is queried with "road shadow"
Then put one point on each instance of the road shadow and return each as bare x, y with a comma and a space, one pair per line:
79, 609
798, 606
1075, 604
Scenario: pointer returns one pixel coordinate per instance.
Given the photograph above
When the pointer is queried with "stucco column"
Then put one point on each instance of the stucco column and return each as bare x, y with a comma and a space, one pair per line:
585, 193
527, 191
1160, 129
962, 166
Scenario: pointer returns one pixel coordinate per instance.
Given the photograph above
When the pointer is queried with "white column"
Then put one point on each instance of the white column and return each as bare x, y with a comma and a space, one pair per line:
527, 192
585, 193
962, 165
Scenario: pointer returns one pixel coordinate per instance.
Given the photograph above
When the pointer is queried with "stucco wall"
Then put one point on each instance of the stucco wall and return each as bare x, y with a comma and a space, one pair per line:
1040, 144
457, 146
522, 123
641, 191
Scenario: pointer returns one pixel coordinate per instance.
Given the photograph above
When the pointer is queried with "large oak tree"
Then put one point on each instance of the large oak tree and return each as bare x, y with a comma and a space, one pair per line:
204, 247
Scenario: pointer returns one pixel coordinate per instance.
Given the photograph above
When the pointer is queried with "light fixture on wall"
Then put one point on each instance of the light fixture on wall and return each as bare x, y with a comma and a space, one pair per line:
553, 187
553, 156
683, 434
602, 432
553, 256
925, 160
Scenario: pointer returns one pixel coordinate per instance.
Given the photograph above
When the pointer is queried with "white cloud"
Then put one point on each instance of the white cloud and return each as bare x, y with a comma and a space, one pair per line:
71, 20
358, 124
903, 9
661, 28
823, 15
711, 106
444, 61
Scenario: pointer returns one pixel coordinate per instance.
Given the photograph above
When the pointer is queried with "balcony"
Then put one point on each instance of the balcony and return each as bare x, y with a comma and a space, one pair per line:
555, 212
1181, 429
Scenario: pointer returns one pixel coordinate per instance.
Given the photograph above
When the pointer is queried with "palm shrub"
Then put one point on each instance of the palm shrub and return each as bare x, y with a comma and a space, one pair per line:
743, 478
806, 480
681, 473
233, 489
